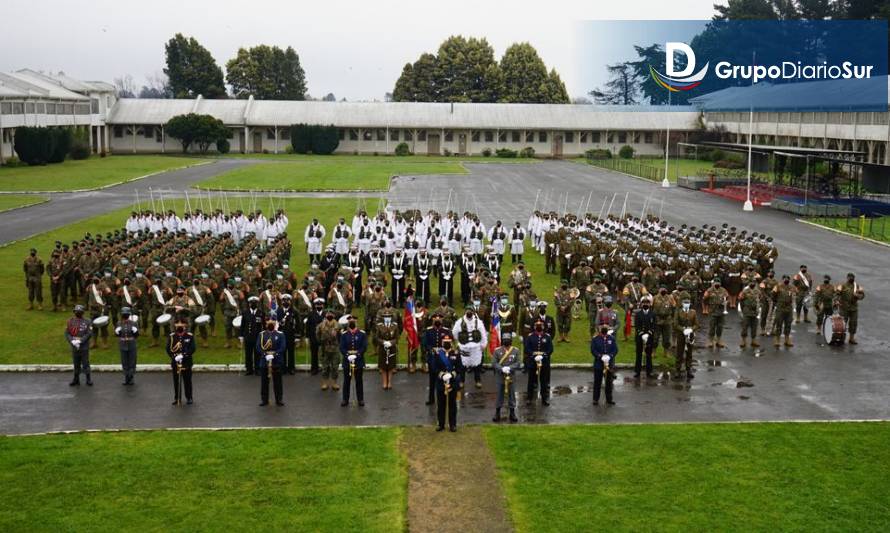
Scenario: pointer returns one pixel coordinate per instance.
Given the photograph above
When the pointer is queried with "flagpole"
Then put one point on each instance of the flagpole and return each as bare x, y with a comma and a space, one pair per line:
665, 183
748, 205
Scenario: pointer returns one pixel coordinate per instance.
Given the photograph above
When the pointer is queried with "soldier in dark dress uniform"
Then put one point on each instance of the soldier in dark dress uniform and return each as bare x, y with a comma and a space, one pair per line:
181, 349
448, 369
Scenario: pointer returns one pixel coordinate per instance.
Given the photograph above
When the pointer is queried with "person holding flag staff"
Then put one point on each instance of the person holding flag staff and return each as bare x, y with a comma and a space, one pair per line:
538, 350
506, 362
270, 347
410, 324
448, 368
353, 345
386, 337
181, 349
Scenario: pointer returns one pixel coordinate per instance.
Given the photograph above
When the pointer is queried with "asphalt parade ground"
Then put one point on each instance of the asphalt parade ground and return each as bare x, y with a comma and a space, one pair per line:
810, 381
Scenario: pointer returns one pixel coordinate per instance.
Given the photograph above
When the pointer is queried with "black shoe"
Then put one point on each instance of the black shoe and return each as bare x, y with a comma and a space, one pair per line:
361, 404
248, 373
636, 375
429, 402
545, 402
440, 428
89, 382
650, 375
291, 372
344, 404
74, 383
126, 382
690, 376
513, 417
610, 402
497, 416
314, 371
452, 429
528, 402
279, 404
263, 404
189, 401
596, 402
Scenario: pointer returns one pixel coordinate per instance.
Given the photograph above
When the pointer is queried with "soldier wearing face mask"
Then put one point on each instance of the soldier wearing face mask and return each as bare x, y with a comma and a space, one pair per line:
252, 322
685, 327
664, 305
767, 304
783, 296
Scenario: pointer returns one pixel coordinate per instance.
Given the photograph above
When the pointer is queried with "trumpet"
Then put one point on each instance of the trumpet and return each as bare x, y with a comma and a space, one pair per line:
725, 306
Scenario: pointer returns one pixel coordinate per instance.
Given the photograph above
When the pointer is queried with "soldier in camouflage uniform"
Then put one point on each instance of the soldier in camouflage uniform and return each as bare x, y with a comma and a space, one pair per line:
563, 301
327, 333
824, 302
749, 301
767, 302
34, 270
664, 306
849, 294
715, 300
685, 327
783, 296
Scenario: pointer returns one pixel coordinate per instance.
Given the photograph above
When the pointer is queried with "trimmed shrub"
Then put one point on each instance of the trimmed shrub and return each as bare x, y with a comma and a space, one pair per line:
717, 155
486, 152
598, 153
402, 149
528, 151
13, 162
316, 139
446, 152
80, 144
34, 146
729, 163
199, 130
289, 149
223, 146
506, 153
626, 152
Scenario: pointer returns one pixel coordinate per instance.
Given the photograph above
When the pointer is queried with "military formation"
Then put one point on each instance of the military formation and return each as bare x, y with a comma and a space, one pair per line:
372, 280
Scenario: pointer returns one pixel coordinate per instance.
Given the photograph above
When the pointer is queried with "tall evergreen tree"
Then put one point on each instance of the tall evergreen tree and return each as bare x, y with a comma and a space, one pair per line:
191, 70
267, 73
622, 88
526, 78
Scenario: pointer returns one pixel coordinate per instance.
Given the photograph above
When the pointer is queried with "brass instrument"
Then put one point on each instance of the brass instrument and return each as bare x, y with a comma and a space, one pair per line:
267, 345
177, 350
725, 305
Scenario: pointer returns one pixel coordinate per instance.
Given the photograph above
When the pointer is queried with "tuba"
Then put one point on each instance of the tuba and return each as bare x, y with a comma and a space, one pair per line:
267, 349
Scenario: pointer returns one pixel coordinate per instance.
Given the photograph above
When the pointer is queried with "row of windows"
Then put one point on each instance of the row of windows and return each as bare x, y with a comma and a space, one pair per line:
41, 108
807, 117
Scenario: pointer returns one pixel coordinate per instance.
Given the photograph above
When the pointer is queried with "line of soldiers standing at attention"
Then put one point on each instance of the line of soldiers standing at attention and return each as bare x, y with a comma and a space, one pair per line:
646, 266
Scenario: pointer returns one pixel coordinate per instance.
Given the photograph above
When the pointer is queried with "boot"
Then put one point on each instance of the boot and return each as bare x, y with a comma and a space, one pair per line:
75, 382
806, 317
412, 367
513, 416
89, 381
31, 306
324, 384
228, 345
40, 307
104, 343
154, 343
754, 343
710, 342
852, 339
334, 386
788, 342
424, 368
744, 343
720, 343
497, 416
95, 344
776, 341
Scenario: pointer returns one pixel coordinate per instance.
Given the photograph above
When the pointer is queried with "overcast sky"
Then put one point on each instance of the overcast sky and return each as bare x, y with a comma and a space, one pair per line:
355, 49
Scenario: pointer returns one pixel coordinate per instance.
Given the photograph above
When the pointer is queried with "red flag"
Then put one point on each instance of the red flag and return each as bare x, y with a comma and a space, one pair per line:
494, 333
627, 323
410, 325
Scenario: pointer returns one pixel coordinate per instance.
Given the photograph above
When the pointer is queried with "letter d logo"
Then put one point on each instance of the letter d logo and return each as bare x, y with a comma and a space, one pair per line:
669, 50
682, 80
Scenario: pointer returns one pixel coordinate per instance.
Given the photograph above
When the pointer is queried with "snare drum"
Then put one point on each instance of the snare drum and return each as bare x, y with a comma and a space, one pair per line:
202, 319
164, 319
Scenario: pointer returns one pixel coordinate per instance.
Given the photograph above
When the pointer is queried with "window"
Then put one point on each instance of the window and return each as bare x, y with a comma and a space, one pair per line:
50, 109
542, 136
475, 136
40, 108
529, 136
863, 118
622, 137
94, 106
342, 134
285, 134
594, 136
514, 136
367, 135
794, 118
118, 132
270, 134
449, 135
583, 137
570, 136
489, 136
847, 118
82, 109
67, 109
17, 108
502, 136
421, 135
408, 135
158, 137
880, 118
393, 135
148, 131
353, 135
381, 135
784, 117
29, 107
647, 137
6, 108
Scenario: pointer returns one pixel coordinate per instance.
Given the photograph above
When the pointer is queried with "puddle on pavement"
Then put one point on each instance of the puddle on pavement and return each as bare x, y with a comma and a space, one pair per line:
743, 397
715, 362
562, 390
734, 383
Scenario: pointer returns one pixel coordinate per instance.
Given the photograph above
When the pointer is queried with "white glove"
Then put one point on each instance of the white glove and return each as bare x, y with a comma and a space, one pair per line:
350, 358
269, 357
611, 332
687, 331
178, 358
117, 330
241, 340
605, 359
505, 369
539, 358
387, 344
645, 337
75, 343
135, 330
446, 377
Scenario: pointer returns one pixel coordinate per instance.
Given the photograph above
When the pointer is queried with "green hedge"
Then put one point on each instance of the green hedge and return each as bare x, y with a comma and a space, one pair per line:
314, 138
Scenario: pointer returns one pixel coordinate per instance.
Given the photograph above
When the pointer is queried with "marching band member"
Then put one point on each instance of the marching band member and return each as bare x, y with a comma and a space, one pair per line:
448, 368
604, 349
538, 350
252, 320
644, 329
850, 294
685, 328
78, 332
353, 345
181, 349
517, 243
127, 332
270, 346
471, 338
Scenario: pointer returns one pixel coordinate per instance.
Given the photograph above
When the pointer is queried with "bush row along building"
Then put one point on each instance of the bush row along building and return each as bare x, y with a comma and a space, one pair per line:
121, 126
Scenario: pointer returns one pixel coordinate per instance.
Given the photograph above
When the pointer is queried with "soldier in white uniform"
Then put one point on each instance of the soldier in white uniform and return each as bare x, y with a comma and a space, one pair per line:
517, 244
472, 339
313, 237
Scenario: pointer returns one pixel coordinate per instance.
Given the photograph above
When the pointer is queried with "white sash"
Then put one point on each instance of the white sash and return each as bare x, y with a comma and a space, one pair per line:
127, 296
268, 296
803, 278
340, 298
197, 296
158, 295
302, 294
230, 298
97, 296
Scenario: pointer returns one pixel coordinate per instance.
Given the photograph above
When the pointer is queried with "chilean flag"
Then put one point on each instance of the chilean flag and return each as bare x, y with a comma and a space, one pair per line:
410, 325
494, 333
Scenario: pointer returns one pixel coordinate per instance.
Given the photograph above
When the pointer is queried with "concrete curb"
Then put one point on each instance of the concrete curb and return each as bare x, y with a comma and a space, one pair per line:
109, 185
658, 183
841, 232
16, 208
233, 368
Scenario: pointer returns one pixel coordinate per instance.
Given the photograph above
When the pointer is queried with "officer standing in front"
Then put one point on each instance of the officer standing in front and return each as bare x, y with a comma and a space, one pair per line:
506, 362
447, 366
78, 332
181, 349
685, 328
252, 321
353, 345
270, 346
645, 326
127, 331
289, 322
538, 349
604, 348
34, 270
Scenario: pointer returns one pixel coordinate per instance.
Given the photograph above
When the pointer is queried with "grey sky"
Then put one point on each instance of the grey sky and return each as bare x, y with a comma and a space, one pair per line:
355, 49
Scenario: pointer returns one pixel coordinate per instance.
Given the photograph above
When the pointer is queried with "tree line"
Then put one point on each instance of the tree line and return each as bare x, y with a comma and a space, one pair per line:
462, 70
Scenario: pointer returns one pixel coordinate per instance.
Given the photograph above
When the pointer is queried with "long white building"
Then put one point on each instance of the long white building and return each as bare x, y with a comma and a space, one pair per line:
121, 126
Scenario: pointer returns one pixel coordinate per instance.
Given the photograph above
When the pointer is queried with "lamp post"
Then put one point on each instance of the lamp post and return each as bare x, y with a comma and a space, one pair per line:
748, 205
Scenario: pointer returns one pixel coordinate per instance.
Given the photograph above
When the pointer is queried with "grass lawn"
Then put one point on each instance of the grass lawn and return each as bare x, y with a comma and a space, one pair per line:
13, 201
747, 477
37, 336
417, 158
276, 480
325, 174
90, 173
877, 228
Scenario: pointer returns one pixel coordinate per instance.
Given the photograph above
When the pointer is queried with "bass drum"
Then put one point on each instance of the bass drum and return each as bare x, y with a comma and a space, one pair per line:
236, 322
834, 330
